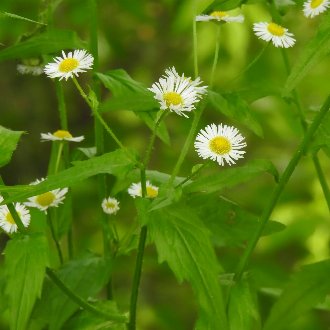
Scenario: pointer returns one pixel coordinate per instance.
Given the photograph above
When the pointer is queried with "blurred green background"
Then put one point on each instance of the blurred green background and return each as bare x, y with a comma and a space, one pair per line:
144, 38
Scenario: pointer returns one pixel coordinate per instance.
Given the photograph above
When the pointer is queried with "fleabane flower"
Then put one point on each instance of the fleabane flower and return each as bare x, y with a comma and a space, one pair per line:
135, 190
177, 93
33, 70
315, 7
279, 35
48, 199
110, 205
60, 135
7, 222
220, 143
69, 65
220, 16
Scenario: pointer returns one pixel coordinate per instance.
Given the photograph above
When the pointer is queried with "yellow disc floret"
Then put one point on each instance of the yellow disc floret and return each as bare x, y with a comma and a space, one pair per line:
220, 145
316, 3
45, 199
152, 192
276, 30
68, 65
219, 14
110, 205
61, 134
172, 98
10, 218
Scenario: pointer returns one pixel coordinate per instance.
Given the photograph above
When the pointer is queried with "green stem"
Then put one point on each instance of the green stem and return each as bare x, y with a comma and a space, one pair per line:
216, 54
280, 187
58, 159
191, 175
61, 105
12, 210
195, 47
52, 231
81, 302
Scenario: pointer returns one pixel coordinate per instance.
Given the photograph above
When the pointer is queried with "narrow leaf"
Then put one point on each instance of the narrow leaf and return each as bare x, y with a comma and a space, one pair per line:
10, 15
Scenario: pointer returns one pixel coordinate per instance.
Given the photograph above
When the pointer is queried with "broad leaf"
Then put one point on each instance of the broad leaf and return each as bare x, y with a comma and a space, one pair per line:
8, 143
47, 42
306, 289
116, 162
229, 224
85, 276
313, 53
231, 176
26, 261
234, 107
183, 242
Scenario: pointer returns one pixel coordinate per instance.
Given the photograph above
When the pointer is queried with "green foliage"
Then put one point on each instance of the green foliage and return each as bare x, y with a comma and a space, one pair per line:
231, 176
26, 261
86, 276
10, 15
307, 288
8, 144
183, 242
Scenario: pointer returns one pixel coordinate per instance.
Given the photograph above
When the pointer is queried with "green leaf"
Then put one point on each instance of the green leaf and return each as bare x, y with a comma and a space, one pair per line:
243, 307
229, 224
116, 162
8, 143
26, 258
85, 276
234, 107
231, 176
305, 290
183, 242
47, 42
10, 15
322, 135
313, 53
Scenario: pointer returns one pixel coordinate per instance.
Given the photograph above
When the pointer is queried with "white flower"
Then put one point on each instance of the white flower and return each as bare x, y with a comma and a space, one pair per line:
34, 70
279, 35
220, 16
220, 143
315, 7
135, 190
60, 135
48, 199
177, 93
69, 65
110, 205
7, 222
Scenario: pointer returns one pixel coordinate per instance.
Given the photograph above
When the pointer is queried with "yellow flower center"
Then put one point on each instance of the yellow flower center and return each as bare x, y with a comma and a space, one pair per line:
219, 14
275, 29
172, 98
220, 145
10, 219
316, 3
45, 199
68, 65
110, 205
152, 192
62, 134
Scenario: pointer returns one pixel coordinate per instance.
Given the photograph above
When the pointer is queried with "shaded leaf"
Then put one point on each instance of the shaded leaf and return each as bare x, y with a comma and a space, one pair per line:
305, 290
10, 15
26, 258
8, 143
183, 242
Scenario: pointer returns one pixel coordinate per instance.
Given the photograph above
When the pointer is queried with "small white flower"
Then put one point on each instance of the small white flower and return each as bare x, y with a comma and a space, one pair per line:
279, 35
7, 222
60, 135
69, 65
177, 93
48, 199
315, 7
135, 190
220, 16
110, 205
34, 70
220, 143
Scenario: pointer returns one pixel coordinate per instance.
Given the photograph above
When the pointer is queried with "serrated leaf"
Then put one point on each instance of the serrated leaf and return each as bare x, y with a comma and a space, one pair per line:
231, 176
313, 53
10, 15
229, 224
116, 162
47, 42
305, 290
85, 276
234, 107
26, 258
183, 242
243, 307
8, 143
